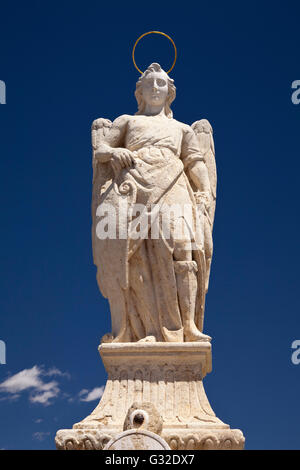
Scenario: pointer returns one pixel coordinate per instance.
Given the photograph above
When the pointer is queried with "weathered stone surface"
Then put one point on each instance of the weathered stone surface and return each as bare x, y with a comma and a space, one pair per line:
156, 179
154, 191
202, 439
137, 440
170, 377
143, 415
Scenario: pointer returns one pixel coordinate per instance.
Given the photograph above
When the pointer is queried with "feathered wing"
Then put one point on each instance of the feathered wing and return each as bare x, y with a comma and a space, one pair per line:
102, 178
204, 134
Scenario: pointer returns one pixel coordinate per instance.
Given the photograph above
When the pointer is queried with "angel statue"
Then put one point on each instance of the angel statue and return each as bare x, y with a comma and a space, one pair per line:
149, 169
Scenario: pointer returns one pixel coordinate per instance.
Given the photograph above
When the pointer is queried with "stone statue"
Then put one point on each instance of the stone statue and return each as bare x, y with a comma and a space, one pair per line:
154, 193
159, 174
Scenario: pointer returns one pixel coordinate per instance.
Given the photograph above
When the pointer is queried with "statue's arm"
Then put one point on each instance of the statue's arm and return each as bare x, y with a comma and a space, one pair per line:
193, 161
199, 175
111, 147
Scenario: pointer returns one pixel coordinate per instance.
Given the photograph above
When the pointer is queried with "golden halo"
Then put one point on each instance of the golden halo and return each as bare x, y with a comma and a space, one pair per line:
154, 32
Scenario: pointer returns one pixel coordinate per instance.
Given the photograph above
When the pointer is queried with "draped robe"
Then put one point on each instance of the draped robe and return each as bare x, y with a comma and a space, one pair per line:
136, 273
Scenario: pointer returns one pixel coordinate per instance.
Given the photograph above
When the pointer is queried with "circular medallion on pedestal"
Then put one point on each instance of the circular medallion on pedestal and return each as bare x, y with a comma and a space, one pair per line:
137, 440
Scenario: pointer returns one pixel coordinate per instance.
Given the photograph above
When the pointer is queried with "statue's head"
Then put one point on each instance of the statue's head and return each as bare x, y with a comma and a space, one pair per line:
155, 88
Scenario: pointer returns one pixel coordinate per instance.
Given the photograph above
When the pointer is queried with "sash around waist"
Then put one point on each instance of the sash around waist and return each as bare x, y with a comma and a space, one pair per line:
152, 154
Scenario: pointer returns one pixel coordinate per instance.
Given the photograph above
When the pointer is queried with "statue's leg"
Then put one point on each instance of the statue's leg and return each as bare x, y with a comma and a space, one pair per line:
118, 310
186, 278
168, 318
208, 248
142, 306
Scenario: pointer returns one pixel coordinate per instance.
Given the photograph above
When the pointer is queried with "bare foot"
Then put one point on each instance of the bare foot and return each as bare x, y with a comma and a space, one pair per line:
191, 333
107, 338
148, 339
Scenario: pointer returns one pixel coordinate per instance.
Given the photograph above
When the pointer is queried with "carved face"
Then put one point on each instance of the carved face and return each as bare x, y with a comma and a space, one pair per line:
155, 88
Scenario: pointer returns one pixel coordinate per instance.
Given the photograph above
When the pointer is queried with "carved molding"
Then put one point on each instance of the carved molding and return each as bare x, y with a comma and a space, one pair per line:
167, 375
170, 377
228, 439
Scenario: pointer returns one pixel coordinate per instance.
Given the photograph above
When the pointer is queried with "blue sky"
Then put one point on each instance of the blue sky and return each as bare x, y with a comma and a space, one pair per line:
66, 63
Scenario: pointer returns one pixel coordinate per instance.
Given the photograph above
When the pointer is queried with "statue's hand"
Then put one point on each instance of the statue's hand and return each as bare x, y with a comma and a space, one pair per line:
121, 158
203, 199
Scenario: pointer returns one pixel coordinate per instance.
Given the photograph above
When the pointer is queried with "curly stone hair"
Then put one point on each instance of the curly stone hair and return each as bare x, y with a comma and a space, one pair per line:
171, 93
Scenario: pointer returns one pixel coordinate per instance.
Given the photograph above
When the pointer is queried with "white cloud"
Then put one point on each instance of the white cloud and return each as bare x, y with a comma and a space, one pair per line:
32, 380
40, 436
39, 390
14, 397
59, 373
94, 394
45, 397
27, 378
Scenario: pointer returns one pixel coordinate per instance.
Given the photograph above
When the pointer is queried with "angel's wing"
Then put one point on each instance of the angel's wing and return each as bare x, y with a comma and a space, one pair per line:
102, 173
100, 129
204, 133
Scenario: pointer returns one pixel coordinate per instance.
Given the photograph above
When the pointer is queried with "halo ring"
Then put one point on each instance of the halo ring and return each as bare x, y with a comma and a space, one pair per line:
154, 32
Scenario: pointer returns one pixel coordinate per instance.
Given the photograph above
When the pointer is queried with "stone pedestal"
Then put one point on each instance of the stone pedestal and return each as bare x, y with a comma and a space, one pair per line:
168, 375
